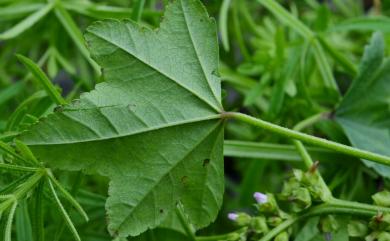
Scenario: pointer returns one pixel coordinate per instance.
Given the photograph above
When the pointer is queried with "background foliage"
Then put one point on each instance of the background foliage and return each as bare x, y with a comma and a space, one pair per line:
271, 66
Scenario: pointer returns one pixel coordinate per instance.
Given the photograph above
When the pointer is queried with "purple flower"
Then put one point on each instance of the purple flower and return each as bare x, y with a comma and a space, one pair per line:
233, 216
260, 197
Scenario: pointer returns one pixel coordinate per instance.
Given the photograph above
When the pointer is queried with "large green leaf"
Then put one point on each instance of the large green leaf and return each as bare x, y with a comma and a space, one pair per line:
364, 113
153, 127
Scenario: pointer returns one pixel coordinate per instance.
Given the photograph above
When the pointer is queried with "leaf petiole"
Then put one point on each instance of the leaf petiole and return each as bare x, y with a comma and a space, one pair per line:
308, 138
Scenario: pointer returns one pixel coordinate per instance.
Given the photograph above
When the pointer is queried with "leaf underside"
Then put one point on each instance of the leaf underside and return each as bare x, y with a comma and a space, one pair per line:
365, 110
153, 127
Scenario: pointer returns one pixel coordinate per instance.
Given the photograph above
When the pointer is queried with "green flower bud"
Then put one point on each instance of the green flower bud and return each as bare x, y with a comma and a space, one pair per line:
299, 198
382, 198
270, 206
259, 224
312, 181
357, 228
283, 236
243, 219
380, 222
302, 199
274, 221
329, 224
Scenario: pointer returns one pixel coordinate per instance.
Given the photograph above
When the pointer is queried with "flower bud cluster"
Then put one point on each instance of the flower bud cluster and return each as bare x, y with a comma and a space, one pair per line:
270, 217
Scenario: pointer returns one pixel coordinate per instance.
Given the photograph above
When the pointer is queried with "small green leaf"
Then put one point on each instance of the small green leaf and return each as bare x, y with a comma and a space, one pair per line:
63, 212
69, 197
153, 127
364, 112
26, 152
43, 79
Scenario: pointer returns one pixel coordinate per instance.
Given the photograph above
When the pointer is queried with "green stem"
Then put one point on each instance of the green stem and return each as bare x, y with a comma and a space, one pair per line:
335, 206
227, 236
305, 154
183, 220
308, 138
279, 229
357, 205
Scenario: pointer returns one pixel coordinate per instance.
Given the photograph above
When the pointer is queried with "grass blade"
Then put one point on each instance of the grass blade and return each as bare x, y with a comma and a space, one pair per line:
43, 79
69, 197
287, 18
23, 222
277, 152
257, 90
38, 213
63, 212
8, 227
17, 10
75, 33
10, 92
17, 168
223, 24
338, 57
26, 23
323, 65
293, 22
99, 11
137, 10
20, 111
377, 23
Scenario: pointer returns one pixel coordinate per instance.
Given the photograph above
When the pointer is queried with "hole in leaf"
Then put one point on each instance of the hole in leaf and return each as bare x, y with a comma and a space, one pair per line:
206, 162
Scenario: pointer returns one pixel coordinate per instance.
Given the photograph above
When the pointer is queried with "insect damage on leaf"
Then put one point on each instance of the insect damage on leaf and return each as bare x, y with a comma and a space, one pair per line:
168, 75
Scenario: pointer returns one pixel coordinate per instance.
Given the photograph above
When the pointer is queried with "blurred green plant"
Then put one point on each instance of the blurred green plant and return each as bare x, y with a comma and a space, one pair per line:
280, 61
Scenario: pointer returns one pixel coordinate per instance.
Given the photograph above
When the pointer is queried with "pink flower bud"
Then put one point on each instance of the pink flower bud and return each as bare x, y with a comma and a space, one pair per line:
260, 197
233, 216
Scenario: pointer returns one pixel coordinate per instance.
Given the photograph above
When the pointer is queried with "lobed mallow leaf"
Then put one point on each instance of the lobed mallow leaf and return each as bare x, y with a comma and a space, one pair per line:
153, 127
364, 112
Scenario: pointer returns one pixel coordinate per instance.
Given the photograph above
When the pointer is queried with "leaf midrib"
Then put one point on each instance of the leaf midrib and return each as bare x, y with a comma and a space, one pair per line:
197, 54
158, 70
144, 130
167, 172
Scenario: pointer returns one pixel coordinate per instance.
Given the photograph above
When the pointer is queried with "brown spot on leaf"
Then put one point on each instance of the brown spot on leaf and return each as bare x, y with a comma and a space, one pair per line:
184, 180
206, 162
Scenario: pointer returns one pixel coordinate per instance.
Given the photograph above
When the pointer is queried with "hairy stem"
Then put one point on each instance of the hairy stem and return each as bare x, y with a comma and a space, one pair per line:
305, 154
308, 138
